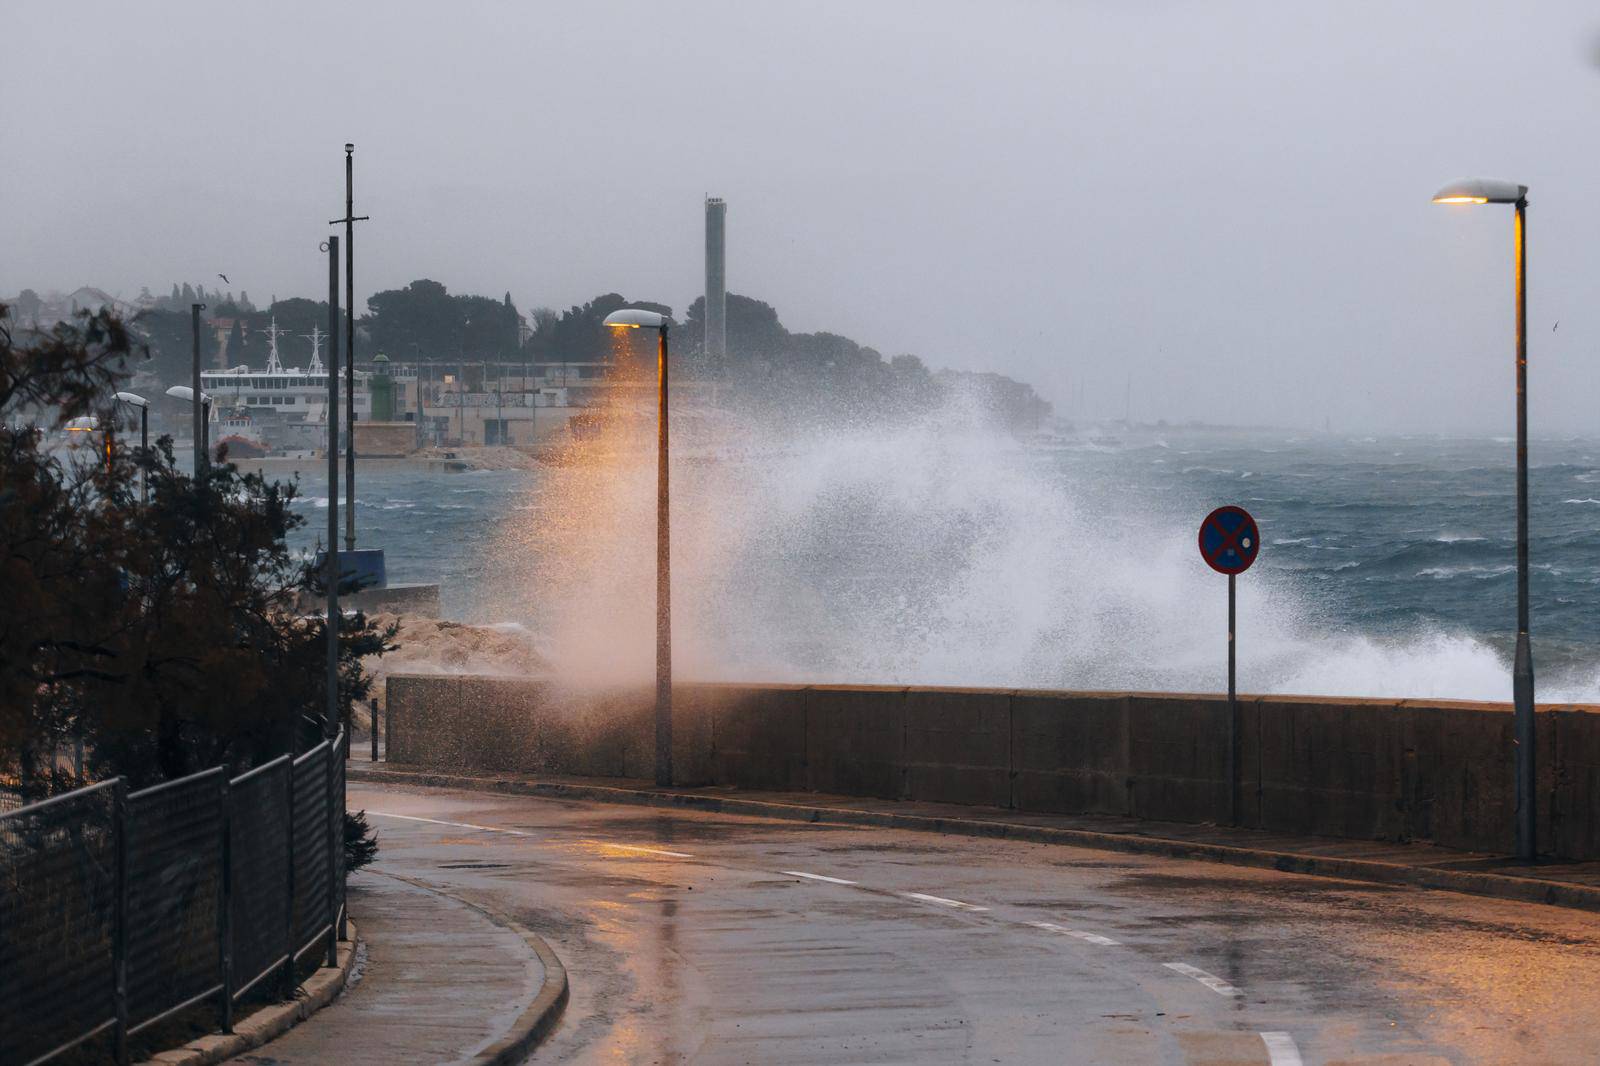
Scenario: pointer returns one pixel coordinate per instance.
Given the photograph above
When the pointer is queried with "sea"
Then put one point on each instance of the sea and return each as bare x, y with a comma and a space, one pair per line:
1387, 566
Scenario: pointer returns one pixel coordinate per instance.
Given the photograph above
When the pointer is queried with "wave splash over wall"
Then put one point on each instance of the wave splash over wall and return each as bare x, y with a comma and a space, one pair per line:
930, 552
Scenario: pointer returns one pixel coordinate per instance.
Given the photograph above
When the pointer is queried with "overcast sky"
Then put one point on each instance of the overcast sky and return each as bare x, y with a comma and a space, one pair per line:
1225, 203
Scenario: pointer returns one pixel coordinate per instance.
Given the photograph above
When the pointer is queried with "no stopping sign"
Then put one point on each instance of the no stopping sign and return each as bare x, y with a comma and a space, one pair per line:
1229, 540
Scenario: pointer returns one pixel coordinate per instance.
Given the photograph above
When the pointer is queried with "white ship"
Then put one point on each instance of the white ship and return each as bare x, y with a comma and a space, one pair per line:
285, 403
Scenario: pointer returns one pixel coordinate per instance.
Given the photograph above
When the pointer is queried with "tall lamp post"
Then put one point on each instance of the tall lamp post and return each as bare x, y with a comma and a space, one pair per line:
202, 440
144, 434
1491, 191
634, 318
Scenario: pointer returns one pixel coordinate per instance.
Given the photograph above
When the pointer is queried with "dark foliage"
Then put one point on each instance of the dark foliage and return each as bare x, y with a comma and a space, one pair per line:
360, 842
424, 321
164, 633
578, 335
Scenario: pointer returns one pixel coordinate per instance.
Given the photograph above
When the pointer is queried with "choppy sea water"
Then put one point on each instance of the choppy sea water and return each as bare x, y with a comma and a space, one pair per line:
1387, 567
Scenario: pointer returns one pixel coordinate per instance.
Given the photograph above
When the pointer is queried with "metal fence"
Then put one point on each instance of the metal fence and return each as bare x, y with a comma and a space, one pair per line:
121, 909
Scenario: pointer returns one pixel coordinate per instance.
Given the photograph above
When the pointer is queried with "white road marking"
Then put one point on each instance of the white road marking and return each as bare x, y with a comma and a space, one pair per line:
453, 825
647, 851
1281, 1049
817, 877
1093, 938
1211, 981
956, 903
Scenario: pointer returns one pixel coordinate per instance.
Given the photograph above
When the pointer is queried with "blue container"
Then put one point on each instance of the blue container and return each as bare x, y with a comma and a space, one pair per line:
364, 565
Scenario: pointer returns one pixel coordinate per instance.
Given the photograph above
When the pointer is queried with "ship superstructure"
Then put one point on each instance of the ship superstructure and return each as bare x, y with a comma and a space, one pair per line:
288, 403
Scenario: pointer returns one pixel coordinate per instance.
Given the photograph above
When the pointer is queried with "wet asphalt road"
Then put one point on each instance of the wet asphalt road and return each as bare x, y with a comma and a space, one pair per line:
703, 938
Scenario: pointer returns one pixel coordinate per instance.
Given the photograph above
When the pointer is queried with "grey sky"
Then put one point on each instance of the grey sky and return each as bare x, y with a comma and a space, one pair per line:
1192, 194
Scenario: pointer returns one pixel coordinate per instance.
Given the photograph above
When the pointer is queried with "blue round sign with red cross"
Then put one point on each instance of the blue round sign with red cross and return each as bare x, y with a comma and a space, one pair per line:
1229, 540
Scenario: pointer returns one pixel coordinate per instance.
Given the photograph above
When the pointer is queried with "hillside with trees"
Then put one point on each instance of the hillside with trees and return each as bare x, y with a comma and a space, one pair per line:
786, 374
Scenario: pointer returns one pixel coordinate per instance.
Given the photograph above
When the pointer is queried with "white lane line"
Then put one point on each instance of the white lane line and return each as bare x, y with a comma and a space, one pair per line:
1281, 1049
1211, 981
817, 877
647, 851
453, 825
956, 903
1093, 938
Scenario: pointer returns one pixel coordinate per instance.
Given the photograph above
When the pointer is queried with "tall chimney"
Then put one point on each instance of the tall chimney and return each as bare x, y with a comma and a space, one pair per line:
716, 284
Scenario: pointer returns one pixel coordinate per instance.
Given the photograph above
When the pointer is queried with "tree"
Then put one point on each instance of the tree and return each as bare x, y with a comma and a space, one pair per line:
542, 318
235, 349
423, 313
168, 338
165, 634
579, 335
297, 317
28, 306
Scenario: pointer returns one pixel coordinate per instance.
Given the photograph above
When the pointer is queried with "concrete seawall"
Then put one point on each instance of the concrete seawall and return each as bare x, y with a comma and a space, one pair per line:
1435, 771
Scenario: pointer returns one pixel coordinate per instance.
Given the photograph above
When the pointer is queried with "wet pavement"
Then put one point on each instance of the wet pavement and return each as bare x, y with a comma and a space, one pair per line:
713, 938
434, 981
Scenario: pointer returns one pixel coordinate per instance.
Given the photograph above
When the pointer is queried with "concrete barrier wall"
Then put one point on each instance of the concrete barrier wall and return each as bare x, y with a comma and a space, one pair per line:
1436, 771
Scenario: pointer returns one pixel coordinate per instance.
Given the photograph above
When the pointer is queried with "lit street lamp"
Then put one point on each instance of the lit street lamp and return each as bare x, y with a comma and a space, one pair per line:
634, 318
144, 434
184, 392
1490, 191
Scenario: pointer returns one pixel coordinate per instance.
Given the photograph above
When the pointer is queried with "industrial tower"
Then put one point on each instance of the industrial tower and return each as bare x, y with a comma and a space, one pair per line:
716, 284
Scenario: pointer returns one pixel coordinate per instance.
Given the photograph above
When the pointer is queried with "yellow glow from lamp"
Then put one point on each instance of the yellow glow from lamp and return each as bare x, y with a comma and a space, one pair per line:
1461, 199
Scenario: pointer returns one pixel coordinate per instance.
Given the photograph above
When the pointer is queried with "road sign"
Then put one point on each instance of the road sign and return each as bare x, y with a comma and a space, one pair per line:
1229, 540
1229, 543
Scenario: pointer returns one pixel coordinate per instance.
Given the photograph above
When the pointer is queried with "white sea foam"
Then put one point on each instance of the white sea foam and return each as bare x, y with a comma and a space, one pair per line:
938, 555
1460, 571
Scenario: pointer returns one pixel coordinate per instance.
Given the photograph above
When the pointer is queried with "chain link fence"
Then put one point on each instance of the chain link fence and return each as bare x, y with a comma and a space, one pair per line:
121, 909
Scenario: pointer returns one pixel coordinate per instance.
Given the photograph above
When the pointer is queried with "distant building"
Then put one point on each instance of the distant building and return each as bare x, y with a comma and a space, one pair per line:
43, 311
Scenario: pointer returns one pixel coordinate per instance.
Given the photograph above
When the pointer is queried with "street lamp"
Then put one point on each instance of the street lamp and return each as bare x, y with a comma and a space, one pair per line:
635, 318
184, 392
144, 434
1490, 191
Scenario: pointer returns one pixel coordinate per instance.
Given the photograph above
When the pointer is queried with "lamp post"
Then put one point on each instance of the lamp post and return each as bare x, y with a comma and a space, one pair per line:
1490, 191
144, 434
633, 318
184, 392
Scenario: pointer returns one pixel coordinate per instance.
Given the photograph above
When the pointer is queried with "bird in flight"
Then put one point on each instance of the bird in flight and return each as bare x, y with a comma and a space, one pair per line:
224, 278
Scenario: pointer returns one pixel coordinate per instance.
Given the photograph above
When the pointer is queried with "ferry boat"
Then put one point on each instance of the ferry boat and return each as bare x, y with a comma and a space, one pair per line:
294, 399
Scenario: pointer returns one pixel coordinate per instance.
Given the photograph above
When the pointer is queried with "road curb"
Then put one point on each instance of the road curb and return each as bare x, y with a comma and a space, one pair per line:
539, 1017
1498, 886
270, 1022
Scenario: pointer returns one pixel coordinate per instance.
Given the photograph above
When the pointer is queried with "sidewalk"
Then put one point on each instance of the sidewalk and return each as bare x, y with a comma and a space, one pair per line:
440, 982
1424, 865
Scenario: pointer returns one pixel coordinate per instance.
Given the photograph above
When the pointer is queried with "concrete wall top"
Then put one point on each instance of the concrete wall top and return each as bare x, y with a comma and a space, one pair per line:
1275, 698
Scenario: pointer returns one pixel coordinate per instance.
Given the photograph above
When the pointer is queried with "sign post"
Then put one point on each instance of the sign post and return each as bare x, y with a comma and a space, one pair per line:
1229, 543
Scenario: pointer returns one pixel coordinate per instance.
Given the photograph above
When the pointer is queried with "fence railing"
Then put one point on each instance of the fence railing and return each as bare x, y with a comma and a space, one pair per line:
121, 909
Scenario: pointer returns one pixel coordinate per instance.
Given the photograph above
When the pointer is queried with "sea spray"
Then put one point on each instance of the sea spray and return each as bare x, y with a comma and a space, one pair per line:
928, 551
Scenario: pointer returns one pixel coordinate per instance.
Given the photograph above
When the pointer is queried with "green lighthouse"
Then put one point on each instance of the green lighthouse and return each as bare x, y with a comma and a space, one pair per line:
381, 385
